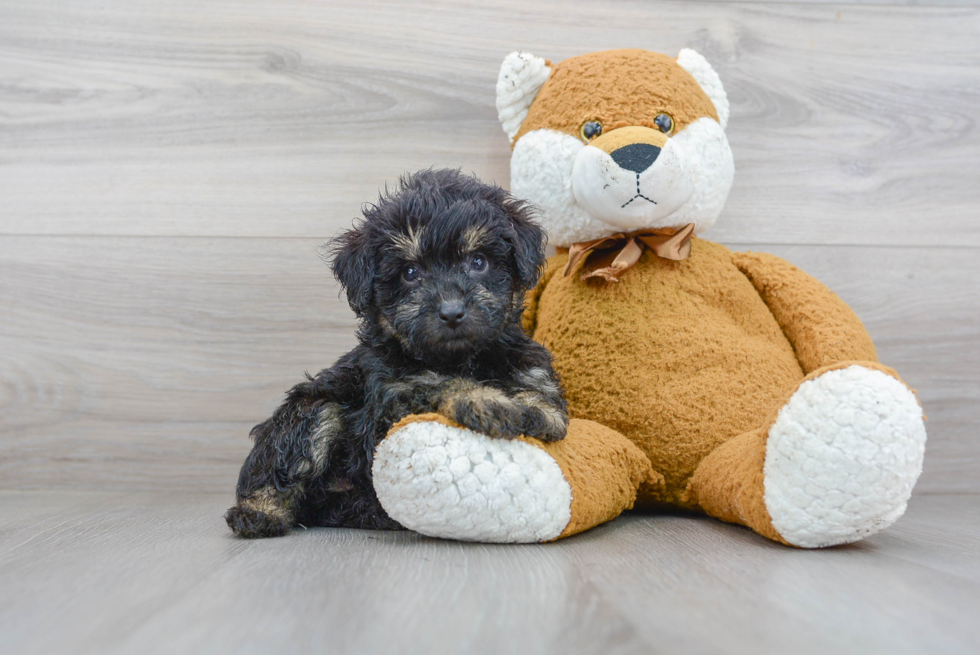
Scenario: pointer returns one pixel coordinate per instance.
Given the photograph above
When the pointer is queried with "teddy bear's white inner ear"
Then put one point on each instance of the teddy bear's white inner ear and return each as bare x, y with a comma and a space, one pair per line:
707, 78
521, 77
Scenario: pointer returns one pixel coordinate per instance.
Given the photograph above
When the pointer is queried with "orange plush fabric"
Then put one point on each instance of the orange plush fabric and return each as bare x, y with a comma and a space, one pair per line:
594, 87
728, 484
604, 470
678, 356
822, 328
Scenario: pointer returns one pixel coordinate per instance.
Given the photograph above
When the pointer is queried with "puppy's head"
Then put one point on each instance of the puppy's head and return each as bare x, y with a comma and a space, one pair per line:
440, 265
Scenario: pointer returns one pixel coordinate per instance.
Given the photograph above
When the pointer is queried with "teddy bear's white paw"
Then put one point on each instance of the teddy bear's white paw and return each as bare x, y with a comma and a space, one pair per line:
453, 483
842, 457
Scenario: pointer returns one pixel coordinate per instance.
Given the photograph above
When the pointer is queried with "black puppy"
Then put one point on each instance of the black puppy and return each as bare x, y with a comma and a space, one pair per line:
436, 273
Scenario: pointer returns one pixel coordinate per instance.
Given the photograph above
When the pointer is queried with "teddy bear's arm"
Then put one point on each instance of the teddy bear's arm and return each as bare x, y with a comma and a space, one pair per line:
529, 318
821, 327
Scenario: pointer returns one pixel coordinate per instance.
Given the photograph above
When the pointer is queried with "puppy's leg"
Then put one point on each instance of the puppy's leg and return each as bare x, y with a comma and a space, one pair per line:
291, 449
543, 411
531, 405
479, 407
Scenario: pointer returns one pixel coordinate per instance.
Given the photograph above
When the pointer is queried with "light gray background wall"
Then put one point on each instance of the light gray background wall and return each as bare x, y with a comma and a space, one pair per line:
167, 171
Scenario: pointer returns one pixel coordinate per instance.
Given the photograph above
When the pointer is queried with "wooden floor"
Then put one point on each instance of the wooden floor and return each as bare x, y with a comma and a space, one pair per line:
144, 573
167, 172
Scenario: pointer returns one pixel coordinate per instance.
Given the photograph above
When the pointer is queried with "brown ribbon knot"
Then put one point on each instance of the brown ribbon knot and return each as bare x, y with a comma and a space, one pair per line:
628, 246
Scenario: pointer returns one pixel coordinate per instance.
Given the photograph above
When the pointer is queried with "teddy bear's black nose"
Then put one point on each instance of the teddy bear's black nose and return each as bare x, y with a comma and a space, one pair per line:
636, 157
452, 312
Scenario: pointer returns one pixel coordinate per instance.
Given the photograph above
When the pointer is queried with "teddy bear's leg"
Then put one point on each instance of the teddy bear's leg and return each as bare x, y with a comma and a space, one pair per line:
836, 464
442, 480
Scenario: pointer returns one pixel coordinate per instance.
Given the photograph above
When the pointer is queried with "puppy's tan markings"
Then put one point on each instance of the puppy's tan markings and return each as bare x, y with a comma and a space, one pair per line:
341, 485
540, 380
482, 408
409, 246
272, 502
329, 426
474, 237
485, 297
427, 379
407, 386
556, 421
407, 309
389, 330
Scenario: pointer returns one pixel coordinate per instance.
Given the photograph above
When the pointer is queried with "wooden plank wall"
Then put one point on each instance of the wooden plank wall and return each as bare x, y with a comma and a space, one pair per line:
167, 171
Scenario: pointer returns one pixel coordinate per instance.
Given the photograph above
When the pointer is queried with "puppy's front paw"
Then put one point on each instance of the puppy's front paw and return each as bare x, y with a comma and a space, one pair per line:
490, 413
251, 523
544, 423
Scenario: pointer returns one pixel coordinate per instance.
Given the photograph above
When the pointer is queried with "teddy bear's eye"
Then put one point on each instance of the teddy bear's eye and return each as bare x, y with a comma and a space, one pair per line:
411, 273
665, 123
590, 130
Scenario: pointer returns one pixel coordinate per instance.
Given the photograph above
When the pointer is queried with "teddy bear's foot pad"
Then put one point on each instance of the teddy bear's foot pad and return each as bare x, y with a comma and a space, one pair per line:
450, 482
842, 457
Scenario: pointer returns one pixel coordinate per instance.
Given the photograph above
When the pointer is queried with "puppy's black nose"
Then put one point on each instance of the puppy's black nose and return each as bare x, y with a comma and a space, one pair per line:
452, 312
636, 157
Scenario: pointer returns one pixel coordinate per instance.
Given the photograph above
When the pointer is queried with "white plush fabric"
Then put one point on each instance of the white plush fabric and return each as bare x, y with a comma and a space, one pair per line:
699, 68
581, 191
541, 171
521, 77
842, 457
626, 200
454, 483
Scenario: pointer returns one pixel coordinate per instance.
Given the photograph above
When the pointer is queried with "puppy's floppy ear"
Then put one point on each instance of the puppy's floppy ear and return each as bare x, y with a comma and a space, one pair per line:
352, 262
527, 240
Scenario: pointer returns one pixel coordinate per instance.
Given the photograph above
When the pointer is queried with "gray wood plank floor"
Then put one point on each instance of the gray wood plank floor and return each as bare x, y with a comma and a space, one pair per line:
167, 171
102, 572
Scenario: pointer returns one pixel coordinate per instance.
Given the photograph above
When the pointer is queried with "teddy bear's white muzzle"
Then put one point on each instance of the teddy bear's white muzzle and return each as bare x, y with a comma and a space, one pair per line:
630, 197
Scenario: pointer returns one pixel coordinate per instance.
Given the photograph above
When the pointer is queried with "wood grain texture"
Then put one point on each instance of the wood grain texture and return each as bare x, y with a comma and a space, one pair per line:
847, 3
850, 124
141, 363
167, 171
151, 573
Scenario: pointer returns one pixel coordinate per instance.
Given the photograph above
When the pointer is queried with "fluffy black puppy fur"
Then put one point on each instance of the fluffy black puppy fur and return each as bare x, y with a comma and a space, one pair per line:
436, 273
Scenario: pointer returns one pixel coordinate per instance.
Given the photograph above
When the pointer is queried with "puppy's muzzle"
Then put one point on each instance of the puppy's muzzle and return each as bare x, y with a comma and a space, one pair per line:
452, 312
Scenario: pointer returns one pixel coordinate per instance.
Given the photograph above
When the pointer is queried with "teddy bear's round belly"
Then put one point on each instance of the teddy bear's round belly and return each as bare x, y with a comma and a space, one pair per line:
677, 356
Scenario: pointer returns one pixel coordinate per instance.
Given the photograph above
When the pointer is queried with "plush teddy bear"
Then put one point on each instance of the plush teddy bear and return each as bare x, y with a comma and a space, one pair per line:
730, 383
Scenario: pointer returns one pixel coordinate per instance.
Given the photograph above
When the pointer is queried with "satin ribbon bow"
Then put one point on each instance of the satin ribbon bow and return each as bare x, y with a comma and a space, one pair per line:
675, 246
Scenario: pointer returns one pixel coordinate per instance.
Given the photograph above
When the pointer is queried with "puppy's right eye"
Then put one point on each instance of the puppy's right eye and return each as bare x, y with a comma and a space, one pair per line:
411, 273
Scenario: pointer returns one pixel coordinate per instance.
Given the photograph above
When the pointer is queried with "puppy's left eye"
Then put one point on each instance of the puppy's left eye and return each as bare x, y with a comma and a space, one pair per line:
664, 123
478, 263
411, 274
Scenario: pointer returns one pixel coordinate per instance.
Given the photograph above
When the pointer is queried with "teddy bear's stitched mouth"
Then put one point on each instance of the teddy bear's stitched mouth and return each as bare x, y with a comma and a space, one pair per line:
638, 194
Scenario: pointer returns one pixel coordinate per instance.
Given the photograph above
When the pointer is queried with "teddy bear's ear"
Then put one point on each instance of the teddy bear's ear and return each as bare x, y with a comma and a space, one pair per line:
521, 77
698, 66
